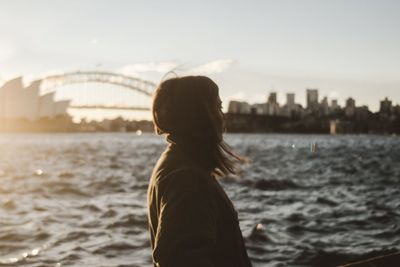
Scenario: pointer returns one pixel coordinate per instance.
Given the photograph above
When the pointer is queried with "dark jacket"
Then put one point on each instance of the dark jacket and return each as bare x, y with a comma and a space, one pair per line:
192, 222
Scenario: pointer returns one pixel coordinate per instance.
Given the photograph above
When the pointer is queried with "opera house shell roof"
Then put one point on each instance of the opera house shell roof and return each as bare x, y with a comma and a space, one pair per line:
17, 101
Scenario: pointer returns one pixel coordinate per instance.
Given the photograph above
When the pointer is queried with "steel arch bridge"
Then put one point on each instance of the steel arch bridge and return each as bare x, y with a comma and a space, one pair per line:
144, 87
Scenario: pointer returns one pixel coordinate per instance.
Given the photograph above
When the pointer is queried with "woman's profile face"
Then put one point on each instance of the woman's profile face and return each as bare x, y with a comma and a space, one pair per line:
219, 117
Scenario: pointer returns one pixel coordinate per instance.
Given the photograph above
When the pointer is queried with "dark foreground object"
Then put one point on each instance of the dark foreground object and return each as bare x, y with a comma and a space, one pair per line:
392, 260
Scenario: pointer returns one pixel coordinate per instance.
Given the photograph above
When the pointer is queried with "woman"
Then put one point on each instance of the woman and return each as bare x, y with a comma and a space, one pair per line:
192, 222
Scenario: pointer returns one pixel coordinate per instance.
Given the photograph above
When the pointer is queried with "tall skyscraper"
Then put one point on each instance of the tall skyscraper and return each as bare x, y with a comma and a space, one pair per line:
312, 98
272, 99
272, 106
290, 98
324, 107
386, 106
350, 108
334, 104
350, 103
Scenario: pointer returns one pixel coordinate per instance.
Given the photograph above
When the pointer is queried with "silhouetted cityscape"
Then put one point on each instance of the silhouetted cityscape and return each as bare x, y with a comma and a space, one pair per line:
319, 116
24, 109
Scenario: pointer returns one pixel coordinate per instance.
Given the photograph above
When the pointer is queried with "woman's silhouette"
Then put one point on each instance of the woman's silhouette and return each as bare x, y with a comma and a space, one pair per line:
192, 222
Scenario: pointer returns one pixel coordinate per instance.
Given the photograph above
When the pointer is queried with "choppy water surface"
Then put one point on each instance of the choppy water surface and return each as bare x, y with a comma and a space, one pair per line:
80, 199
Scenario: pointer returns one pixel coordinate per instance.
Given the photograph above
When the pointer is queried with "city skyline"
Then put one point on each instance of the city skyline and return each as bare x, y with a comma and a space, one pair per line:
344, 48
25, 101
313, 101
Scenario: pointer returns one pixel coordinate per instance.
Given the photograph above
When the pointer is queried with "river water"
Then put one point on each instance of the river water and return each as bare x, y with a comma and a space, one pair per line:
303, 200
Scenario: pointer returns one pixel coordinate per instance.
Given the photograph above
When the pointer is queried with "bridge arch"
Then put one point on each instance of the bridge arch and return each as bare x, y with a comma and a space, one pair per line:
53, 81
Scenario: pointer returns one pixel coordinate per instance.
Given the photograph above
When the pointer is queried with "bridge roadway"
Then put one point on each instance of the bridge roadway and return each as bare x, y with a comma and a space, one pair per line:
108, 107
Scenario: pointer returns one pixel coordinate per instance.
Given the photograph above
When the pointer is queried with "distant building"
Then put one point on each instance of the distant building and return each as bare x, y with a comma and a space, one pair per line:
312, 99
291, 109
362, 113
11, 93
272, 98
272, 107
46, 106
31, 101
19, 102
260, 109
350, 108
334, 105
324, 107
334, 108
239, 107
396, 110
290, 99
61, 107
386, 106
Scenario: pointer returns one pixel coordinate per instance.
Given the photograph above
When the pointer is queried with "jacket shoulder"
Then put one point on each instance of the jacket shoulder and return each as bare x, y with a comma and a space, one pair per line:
184, 179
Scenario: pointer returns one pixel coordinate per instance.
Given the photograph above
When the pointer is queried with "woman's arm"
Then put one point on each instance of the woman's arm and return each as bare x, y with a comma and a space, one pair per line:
186, 233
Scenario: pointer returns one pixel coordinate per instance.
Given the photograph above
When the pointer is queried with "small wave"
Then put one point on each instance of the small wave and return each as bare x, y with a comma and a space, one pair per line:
8, 204
114, 249
296, 217
109, 214
63, 188
70, 191
90, 207
20, 177
296, 229
383, 218
42, 236
71, 257
354, 222
72, 236
66, 174
38, 208
9, 247
275, 185
128, 220
114, 166
14, 237
108, 184
326, 201
21, 237
389, 233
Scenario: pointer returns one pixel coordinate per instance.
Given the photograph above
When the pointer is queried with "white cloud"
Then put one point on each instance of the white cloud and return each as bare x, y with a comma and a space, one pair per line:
212, 67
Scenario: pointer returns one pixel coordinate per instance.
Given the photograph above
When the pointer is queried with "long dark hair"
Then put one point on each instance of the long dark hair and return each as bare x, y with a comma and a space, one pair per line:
188, 110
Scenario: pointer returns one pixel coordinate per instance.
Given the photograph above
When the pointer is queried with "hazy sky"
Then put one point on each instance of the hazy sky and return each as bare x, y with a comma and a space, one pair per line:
343, 47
